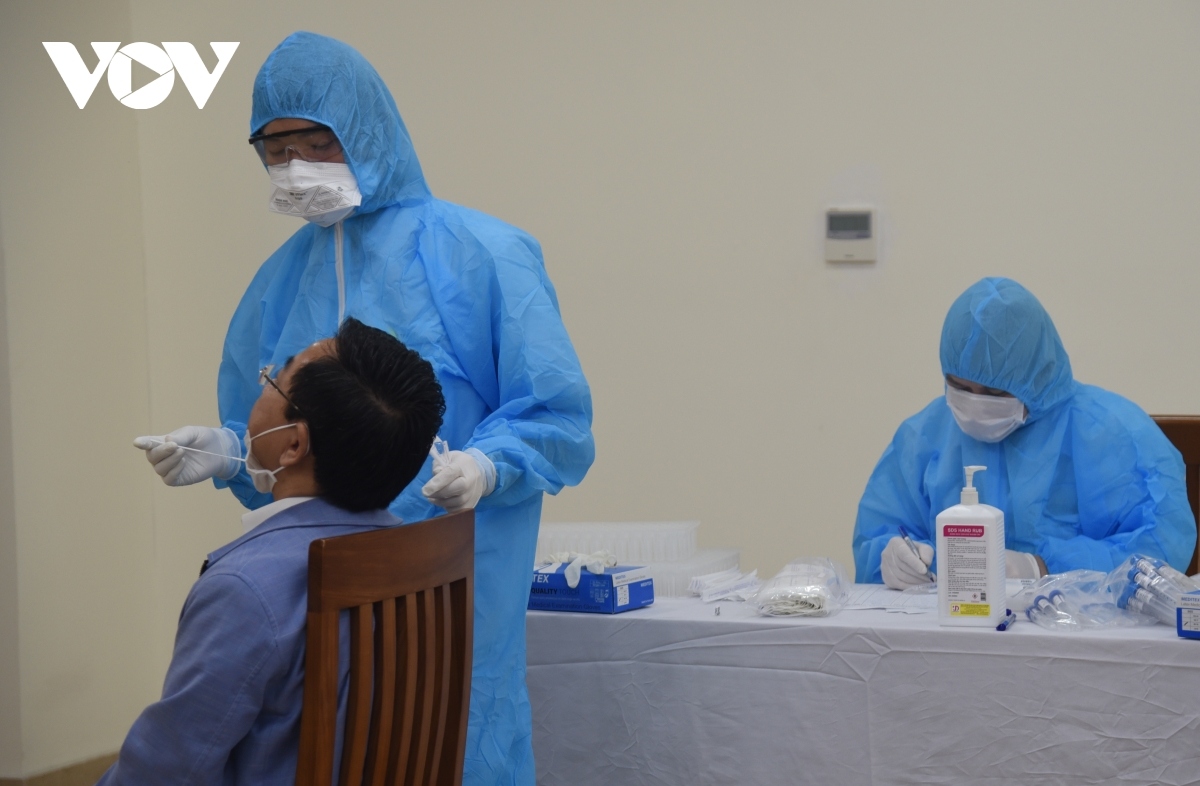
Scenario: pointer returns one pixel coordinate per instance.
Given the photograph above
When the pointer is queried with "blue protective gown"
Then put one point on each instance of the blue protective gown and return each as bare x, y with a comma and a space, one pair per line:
1087, 481
471, 295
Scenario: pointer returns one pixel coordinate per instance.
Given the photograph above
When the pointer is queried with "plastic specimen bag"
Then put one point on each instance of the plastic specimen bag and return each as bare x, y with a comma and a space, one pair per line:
809, 587
1140, 591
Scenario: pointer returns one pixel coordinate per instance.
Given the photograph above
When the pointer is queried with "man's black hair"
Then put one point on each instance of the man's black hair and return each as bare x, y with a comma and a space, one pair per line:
372, 411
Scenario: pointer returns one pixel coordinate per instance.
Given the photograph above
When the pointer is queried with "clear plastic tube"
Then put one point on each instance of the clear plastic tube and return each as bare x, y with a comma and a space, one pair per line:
1151, 609
1184, 581
1155, 567
1045, 614
1060, 602
1155, 583
1040, 605
1163, 610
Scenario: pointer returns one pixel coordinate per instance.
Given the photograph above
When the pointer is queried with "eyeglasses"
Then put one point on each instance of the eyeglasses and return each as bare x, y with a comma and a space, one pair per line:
314, 143
264, 379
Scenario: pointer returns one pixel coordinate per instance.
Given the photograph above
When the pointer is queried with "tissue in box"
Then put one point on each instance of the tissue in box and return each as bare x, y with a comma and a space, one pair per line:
616, 589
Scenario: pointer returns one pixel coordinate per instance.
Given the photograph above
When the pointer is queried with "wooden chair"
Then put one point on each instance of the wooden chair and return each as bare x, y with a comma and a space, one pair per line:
409, 591
1184, 433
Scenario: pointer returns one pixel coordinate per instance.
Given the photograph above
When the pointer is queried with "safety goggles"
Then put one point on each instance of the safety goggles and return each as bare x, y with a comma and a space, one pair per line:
314, 143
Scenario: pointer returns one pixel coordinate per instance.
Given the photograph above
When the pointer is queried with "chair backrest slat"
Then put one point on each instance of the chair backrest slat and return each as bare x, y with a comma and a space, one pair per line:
406, 689
451, 770
445, 649
426, 683
314, 767
409, 595
383, 712
358, 706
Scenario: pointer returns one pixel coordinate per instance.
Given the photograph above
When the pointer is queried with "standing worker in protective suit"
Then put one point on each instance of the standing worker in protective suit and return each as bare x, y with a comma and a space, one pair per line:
467, 292
1084, 477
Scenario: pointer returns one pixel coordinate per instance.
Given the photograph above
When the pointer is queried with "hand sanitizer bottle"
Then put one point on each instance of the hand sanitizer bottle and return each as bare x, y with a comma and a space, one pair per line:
970, 561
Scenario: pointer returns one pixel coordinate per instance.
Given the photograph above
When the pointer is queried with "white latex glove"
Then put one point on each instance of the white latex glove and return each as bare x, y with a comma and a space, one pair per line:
900, 567
193, 453
595, 563
1021, 565
461, 480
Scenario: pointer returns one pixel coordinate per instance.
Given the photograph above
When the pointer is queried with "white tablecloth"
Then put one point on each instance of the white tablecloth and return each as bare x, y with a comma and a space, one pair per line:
672, 694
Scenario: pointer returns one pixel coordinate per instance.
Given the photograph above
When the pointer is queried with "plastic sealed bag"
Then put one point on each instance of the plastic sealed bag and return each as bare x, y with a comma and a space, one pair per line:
1140, 591
729, 584
1149, 587
808, 587
1080, 600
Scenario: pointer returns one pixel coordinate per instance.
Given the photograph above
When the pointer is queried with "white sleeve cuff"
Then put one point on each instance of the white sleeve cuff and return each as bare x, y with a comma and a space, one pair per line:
231, 446
486, 467
1020, 565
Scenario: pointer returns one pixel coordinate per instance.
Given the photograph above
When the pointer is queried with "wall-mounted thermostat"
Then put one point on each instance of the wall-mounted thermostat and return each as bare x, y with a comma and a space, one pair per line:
849, 235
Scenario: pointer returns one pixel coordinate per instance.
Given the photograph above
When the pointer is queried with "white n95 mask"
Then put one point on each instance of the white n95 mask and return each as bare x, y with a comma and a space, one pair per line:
264, 479
986, 418
319, 192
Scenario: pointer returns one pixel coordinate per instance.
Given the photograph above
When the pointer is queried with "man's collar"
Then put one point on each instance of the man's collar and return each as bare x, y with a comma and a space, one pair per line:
252, 518
311, 512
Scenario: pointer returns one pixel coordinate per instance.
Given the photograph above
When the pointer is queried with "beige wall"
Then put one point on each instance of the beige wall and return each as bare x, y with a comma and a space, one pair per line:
10, 677
84, 556
674, 159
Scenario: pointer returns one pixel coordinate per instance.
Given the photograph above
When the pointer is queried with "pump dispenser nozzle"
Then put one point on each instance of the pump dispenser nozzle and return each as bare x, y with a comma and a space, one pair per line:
970, 494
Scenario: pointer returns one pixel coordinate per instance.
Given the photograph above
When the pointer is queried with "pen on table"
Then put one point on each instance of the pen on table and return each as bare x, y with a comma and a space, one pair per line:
917, 554
1008, 621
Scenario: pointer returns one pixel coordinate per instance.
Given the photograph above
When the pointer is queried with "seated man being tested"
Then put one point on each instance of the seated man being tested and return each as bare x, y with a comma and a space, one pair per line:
1084, 477
342, 430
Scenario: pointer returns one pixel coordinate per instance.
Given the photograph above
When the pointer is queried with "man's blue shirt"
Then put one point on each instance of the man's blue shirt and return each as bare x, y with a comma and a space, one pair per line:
230, 708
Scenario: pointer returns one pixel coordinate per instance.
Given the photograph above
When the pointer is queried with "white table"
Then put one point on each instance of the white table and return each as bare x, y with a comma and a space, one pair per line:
672, 694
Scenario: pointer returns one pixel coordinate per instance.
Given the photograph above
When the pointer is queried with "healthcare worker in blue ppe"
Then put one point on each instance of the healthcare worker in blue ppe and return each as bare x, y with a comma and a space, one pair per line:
466, 291
1084, 477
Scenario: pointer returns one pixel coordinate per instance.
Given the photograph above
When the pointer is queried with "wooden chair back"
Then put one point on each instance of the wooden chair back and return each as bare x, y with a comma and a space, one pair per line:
409, 591
1184, 433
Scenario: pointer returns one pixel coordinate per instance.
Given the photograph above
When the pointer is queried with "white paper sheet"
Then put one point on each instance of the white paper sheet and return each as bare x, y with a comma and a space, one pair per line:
877, 596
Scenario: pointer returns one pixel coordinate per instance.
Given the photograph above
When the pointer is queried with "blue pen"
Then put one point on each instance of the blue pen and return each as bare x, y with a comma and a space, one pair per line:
917, 554
1009, 620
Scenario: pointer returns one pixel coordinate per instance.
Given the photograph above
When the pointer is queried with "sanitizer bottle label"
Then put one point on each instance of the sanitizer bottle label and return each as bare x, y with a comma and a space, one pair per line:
966, 573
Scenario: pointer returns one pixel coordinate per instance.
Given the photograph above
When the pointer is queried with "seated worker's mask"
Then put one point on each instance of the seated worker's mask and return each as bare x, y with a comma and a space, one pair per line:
985, 418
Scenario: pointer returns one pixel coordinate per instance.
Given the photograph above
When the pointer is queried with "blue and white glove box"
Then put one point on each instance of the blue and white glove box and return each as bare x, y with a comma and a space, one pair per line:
612, 591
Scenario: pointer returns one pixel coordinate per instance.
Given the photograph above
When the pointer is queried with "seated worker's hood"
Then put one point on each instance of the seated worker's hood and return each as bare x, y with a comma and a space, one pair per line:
998, 334
316, 78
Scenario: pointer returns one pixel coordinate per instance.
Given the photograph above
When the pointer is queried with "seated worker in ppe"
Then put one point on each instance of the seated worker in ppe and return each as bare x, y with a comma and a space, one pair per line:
1084, 477
342, 430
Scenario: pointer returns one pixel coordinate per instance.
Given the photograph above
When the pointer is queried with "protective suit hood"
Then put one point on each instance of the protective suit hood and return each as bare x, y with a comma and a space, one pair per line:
317, 78
998, 334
